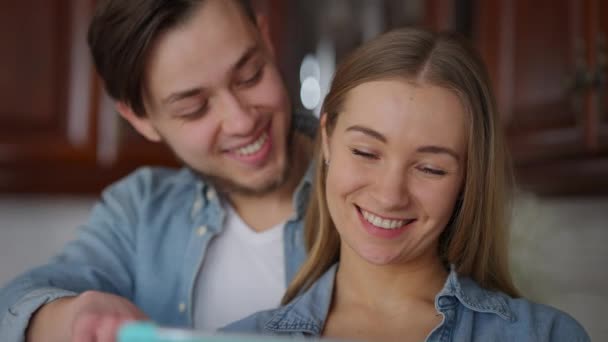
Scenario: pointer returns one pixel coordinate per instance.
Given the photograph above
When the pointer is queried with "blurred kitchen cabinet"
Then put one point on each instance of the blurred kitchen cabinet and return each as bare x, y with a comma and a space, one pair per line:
548, 60
53, 137
41, 130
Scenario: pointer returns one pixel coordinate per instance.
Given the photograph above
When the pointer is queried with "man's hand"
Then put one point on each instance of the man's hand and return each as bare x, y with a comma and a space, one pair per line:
91, 316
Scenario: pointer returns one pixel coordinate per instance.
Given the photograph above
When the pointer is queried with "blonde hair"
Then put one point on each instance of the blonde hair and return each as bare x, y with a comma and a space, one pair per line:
475, 240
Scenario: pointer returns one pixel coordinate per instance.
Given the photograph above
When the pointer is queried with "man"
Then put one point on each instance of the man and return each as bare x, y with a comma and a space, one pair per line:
198, 247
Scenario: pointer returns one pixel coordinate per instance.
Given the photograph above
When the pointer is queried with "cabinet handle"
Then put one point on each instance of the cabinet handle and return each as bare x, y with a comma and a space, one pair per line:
601, 77
586, 78
579, 82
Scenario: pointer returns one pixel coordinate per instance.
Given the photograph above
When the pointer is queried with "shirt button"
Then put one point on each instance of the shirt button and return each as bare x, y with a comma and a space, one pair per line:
202, 230
198, 204
182, 307
196, 208
210, 194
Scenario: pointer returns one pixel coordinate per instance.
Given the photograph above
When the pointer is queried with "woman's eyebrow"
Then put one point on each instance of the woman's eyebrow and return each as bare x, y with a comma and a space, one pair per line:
368, 131
438, 150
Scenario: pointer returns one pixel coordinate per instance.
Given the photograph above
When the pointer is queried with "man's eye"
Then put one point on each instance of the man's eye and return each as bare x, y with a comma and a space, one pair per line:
253, 79
364, 154
199, 112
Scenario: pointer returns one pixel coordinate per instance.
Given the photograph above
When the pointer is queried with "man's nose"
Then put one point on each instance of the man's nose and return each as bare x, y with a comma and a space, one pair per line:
237, 117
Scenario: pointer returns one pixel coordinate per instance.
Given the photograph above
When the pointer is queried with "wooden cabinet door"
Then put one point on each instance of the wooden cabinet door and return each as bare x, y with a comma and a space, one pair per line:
46, 83
58, 131
541, 56
535, 51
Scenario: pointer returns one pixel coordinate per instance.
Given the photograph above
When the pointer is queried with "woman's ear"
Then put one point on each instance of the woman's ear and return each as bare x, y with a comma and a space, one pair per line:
324, 138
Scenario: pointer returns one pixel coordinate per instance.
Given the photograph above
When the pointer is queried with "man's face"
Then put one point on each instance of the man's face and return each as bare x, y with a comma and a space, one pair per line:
214, 95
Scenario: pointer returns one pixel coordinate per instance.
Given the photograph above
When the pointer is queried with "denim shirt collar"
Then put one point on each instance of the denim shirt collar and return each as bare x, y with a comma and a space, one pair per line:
206, 195
308, 312
472, 296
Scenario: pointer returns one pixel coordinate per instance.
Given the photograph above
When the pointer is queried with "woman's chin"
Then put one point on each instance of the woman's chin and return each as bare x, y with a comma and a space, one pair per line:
379, 257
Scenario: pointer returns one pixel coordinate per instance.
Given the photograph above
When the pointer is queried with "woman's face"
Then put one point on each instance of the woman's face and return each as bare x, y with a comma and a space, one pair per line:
397, 160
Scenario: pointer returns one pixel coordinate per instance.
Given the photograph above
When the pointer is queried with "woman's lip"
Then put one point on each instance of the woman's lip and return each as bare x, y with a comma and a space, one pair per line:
360, 209
383, 233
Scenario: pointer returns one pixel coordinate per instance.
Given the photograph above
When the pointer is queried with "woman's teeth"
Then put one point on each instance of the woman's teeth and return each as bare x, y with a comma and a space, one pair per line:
253, 147
382, 223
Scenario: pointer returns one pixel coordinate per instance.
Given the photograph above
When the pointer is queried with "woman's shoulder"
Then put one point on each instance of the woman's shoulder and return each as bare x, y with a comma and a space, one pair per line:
293, 319
546, 320
305, 315
251, 324
520, 319
300, 317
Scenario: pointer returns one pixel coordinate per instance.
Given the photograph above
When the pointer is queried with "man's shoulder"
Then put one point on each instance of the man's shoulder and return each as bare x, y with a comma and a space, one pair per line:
152, 182
154, 176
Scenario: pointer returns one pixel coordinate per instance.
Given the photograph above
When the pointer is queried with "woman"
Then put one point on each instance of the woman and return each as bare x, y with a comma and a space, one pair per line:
407, 227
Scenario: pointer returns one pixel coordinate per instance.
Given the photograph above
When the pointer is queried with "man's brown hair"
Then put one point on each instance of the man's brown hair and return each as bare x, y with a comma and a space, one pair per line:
122, 33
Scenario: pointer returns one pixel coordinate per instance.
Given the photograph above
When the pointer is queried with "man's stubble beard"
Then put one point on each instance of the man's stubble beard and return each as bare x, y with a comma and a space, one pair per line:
227, 186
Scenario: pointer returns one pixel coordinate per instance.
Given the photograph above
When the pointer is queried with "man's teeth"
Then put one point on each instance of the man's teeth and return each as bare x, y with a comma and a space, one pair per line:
382, 223
254, 146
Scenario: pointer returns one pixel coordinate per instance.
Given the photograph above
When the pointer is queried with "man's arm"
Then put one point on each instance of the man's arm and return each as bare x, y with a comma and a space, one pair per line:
101, 259
91, 316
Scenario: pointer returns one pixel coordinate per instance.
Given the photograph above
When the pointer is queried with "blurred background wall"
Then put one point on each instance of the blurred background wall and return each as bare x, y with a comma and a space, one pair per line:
61, 142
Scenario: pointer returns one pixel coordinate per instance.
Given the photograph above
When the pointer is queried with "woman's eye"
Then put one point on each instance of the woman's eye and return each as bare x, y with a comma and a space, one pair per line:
366, 155
432, 171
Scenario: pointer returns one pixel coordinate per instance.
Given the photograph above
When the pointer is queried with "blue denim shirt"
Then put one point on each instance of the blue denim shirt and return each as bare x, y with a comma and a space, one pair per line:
145, 241
470, 313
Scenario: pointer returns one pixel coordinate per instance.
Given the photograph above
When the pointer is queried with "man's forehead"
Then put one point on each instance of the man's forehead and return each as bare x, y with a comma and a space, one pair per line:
228, 12
208, 44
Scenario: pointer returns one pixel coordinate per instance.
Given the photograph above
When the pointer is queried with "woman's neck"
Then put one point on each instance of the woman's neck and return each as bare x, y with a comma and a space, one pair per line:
387, 288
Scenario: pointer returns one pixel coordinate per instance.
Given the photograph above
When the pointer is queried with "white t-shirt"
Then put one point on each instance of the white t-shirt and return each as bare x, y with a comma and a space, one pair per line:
243, 273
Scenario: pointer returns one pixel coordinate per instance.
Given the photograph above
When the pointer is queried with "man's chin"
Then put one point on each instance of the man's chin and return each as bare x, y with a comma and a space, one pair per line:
276, 176
228, 186
256, 188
